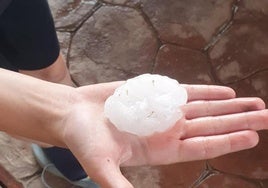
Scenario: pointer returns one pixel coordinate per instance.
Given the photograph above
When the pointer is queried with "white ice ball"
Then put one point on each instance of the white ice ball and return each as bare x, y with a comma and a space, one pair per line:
146, 104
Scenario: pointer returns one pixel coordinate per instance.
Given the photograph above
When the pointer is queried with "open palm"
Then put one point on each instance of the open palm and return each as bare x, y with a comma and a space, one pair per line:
214, 123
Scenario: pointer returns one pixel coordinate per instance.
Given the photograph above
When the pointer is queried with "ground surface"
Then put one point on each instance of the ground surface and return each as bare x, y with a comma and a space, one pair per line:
221, 42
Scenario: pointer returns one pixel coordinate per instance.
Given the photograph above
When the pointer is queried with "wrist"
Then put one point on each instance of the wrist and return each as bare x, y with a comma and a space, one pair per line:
62, 114
34, 109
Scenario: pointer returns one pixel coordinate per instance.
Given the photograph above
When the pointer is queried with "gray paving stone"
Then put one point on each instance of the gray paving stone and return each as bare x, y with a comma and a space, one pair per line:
131, 3
64, 40
121, 2
116, 43
50, 180
35, 183
17, 158
188, 23
68, 14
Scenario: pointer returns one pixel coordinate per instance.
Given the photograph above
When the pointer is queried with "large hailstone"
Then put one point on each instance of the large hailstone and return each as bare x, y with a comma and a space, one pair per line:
146, 104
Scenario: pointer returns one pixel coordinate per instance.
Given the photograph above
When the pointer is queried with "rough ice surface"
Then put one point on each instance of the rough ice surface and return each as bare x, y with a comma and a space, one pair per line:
146, 104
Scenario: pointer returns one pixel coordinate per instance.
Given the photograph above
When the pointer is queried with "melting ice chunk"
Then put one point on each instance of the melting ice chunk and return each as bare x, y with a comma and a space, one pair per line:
146, 104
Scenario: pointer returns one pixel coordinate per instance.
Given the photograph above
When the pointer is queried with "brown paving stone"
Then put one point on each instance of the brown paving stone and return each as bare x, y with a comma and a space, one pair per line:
144, 176
252, 163
185, 65
94, 67
242, 51
116, 43
180, 175
254, 86
70, 13
168, 176
228, 181
249, 10
188, 23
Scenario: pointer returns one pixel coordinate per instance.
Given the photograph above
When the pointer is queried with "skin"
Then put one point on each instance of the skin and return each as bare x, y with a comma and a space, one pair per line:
57, 72
214, 123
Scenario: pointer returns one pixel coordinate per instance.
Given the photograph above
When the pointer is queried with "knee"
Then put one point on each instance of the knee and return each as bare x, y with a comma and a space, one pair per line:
56, 72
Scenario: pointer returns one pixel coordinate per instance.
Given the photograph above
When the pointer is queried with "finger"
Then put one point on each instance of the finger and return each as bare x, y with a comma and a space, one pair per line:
100, 91
107, 89
213, 108
107, 174
208, 92
255, 120
200, 148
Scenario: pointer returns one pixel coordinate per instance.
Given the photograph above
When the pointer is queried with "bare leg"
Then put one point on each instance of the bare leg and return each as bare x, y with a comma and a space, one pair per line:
57, 72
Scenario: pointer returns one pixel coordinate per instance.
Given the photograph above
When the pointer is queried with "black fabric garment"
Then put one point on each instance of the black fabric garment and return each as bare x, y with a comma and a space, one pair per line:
3, 5
28, 38
66, 163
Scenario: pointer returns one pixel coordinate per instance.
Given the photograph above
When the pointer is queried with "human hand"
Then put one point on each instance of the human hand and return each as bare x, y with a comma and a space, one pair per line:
215, 123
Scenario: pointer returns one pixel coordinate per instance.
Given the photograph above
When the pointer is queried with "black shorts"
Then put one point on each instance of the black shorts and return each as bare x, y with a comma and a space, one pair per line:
28, 40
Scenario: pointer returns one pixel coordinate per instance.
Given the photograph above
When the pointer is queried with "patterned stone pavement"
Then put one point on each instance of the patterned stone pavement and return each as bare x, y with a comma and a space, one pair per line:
222, 42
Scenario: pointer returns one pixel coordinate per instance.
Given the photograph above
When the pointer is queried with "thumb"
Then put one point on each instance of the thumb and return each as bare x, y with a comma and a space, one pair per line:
108, 175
